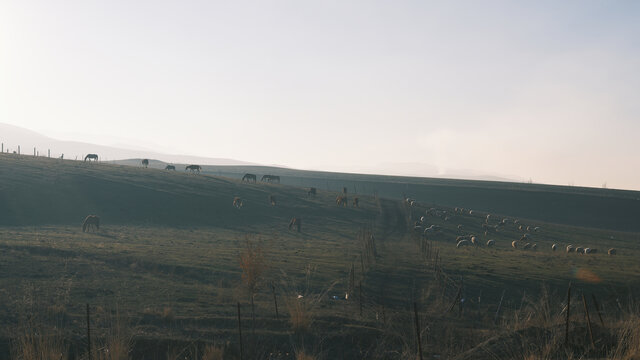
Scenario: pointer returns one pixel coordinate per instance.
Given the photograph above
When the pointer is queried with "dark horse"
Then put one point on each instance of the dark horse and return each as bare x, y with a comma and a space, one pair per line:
170, 167
271, 178
312, 191
193, 168
90, 157
145, 163
295, 222
249, 177
91, 221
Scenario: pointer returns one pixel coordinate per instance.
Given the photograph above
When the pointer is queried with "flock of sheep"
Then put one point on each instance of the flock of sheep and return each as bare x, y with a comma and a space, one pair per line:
525, 242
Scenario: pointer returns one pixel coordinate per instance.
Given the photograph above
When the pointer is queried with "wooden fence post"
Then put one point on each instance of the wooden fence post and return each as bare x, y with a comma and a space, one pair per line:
88, 333
240, 332
495, 318
566, 329
595, 302
415, 312
275, 301
586, 310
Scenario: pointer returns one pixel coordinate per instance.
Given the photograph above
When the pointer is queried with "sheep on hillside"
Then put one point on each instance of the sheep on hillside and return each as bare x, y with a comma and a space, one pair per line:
514, 244
612, 251
462, 243
490, 243
580, 250
570, 248
526, 246
554, 247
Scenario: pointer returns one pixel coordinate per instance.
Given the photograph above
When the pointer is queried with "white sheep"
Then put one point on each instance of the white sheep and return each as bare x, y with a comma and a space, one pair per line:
612, 251
534, 246
462, 243
580, 250
554, 247
474, 241
526, 246
570, 248
490, 243
514, 244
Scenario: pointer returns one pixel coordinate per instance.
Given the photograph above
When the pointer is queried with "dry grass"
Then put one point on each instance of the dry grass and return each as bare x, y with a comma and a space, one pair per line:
628, 345
301, 355
213, 352
300, 314
38, 342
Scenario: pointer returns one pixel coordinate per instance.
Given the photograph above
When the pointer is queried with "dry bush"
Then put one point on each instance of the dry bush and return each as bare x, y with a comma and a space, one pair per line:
213, 352
301, 355
118, 341
300, 314
253, 264
628, 346
38, 342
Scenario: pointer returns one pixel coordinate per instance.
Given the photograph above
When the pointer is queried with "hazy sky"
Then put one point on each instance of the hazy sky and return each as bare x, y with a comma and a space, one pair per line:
547, 90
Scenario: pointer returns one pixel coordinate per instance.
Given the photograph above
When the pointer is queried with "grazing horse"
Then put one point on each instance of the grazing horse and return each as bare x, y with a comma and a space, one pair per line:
170, 167
249, 178
145, 163
295, 222
271, 178
193, 168
356, 202
312, 191
90, 157
237, 202
91, 221
272, 200
341, 200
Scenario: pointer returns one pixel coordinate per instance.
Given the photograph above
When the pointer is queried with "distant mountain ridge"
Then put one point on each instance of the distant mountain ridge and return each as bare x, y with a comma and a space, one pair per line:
13, 137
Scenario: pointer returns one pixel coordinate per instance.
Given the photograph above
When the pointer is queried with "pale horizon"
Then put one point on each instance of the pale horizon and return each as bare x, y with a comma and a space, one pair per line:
540, 91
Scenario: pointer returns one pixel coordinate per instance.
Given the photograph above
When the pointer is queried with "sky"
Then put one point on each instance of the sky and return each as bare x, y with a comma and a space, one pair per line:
545, 91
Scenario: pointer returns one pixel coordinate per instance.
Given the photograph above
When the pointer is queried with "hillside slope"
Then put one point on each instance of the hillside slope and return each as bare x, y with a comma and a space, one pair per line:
570, 205
36, 190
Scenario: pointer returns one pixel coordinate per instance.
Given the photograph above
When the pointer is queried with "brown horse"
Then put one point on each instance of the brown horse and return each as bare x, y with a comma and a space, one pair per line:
295, 222
237, 202
341, 200
90, 157
91, 222
193, 168
356, 202
249, 178
145, 163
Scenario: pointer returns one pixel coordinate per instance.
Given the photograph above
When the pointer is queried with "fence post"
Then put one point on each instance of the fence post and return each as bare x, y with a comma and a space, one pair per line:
275, 301
240, 332
415, 312
595, 302
360, 297
88, 333
586, 310
48, 153
566, 329
495, 318
18, 149
34, 151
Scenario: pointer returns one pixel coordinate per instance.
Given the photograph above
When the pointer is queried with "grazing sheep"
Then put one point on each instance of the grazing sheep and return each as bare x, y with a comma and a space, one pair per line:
554, 247
528, 228
536, 228
526, 246
514, 244
488, 217
580, 250
91, 222
459, 238
504, 221
570, 248
516, 221
470, 212
612, 251
534, 246
520, 227
462, 243
490, 243
590, 251
237, 202
474, 240
422, 219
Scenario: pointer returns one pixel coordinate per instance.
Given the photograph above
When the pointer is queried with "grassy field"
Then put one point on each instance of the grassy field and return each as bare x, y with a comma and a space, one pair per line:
165, 267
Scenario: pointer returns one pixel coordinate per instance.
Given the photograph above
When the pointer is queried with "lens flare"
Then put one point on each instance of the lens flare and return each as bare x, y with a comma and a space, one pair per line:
587, 275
